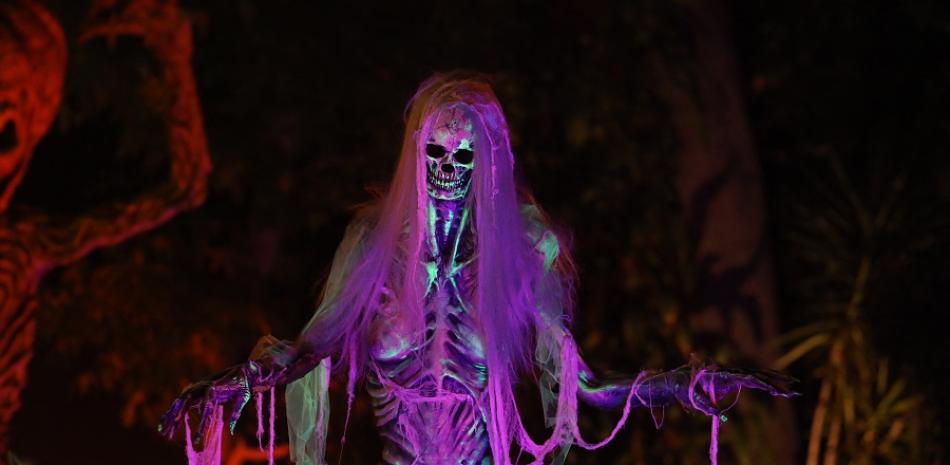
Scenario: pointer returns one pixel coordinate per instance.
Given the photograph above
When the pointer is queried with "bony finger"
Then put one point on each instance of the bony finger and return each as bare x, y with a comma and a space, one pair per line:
204, 428
701, 401
769, 384
242, 398
168, 424
171, 428
166, 427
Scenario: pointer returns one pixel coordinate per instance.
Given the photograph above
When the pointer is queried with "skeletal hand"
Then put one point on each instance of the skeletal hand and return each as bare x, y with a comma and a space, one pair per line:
233, 385
703, 388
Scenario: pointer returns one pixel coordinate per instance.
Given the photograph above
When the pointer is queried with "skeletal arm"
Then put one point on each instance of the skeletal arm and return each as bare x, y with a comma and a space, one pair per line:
653, 390
275, 362
694, 386
658, 390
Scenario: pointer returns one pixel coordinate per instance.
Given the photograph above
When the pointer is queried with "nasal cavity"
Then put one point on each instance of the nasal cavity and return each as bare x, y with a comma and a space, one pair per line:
447, 168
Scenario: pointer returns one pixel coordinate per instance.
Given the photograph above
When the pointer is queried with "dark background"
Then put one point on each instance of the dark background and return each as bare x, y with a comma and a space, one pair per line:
847, 106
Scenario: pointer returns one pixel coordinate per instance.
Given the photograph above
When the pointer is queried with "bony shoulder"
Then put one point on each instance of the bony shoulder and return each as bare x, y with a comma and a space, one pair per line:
548, 246
544, 239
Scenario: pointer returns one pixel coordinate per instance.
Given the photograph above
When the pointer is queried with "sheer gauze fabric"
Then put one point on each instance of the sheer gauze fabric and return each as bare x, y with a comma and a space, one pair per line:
522, 301
523, 296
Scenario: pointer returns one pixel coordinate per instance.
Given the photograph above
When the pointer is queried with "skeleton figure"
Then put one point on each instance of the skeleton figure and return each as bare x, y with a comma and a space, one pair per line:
32, 66
441, 296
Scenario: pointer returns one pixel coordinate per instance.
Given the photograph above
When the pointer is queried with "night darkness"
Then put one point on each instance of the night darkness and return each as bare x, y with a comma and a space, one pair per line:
755, 183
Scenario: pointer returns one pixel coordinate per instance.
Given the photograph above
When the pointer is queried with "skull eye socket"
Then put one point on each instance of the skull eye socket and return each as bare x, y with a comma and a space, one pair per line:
464, 156
435, 150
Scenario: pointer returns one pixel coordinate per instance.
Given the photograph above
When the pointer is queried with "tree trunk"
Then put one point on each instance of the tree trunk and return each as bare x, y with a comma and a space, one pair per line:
720, 187
35, 243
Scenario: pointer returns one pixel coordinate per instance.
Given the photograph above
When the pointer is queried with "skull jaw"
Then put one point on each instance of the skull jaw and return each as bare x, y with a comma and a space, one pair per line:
448, 190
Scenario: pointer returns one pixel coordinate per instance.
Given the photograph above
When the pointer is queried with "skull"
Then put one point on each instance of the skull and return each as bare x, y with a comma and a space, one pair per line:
450, 154
32, 66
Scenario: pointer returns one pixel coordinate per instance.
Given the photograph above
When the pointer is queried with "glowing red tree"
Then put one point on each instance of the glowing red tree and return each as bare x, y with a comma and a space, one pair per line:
32, 65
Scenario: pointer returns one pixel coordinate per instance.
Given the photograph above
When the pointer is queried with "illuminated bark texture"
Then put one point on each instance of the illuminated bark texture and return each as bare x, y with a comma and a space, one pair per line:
32, 64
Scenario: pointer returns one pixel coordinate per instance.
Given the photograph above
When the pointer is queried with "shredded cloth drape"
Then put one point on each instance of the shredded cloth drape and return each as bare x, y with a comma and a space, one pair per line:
308, 413
515, 296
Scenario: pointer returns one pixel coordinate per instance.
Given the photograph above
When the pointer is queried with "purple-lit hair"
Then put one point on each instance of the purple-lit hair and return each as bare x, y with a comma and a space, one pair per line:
524, 282
379, 259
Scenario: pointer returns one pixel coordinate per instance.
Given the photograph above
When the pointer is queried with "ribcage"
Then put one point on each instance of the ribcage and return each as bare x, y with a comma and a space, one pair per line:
428, 392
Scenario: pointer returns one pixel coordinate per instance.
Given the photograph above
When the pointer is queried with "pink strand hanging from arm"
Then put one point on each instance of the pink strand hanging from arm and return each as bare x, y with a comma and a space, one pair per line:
270, 443
259, 401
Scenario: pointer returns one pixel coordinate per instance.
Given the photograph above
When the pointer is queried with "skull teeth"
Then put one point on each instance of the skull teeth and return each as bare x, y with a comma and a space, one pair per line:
445, 183
442, 180
443, 176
